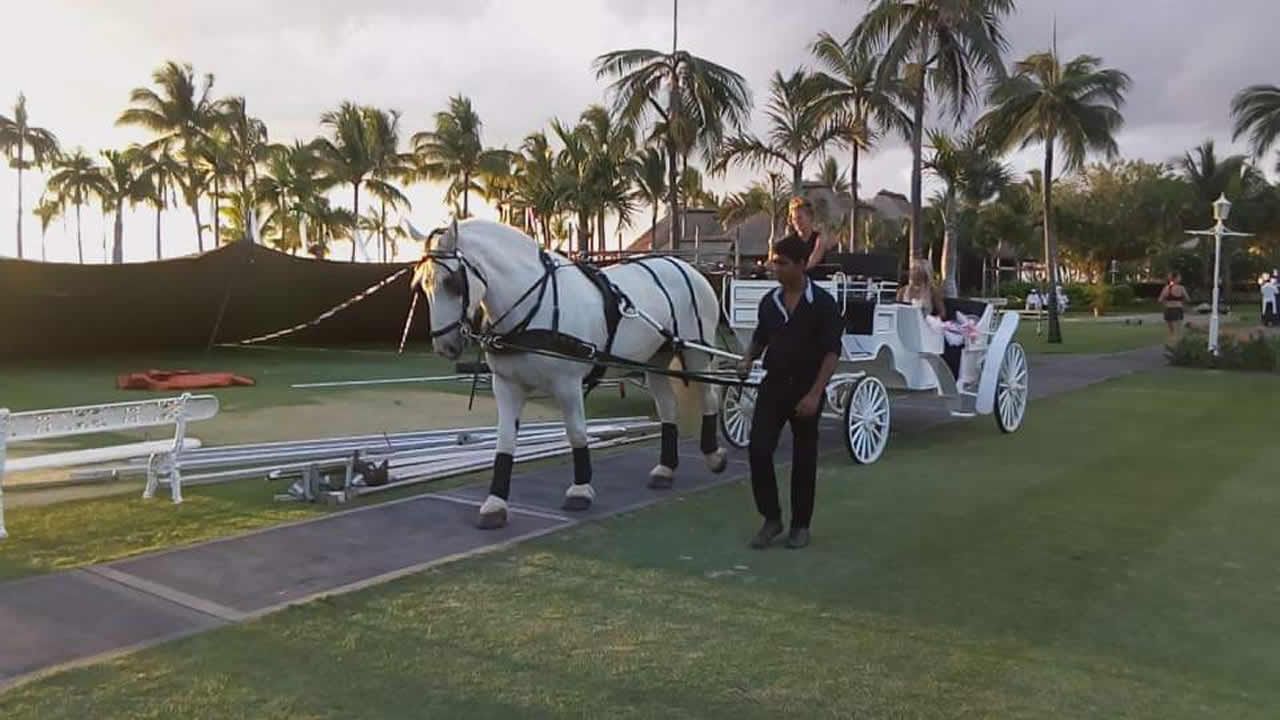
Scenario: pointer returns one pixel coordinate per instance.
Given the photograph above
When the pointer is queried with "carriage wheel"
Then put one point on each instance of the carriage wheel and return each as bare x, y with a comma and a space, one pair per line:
737, 406
1012, 389
866, 421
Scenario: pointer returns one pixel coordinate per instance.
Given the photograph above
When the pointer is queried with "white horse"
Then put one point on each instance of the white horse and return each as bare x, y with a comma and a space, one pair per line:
479, 266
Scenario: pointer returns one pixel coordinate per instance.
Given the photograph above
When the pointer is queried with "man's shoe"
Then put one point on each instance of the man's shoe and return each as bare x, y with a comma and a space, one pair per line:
798, 538
770, 530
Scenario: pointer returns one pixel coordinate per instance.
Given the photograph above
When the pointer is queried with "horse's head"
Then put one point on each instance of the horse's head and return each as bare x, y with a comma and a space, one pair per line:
452, 287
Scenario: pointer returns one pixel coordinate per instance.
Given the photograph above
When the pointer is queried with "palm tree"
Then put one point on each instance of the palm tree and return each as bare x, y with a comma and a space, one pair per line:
575, 193
970, 176
798, 130
759, 198
76, 179
247, 147
855, 95
288, 187
498, 187
610, 146
181, 114
347, 156
943, 46
217, 162
123, 182
454, 152
378, 224
1210, 177
16, 137
648, 173
702, 99
390, 166
1075, 107
47, 210
161, 172
325, 225
537, 190
1256, 111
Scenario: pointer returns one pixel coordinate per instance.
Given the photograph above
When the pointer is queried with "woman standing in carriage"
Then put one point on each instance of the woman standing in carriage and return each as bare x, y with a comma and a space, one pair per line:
800, 221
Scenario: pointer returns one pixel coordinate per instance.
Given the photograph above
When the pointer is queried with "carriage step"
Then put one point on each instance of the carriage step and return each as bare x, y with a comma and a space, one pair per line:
962, 414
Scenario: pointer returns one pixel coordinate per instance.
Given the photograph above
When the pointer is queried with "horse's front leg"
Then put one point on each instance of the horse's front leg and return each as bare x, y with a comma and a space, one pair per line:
511, 397
568, 394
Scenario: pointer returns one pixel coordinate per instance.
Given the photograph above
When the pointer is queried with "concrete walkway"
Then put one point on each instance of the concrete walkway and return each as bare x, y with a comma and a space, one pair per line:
81, 616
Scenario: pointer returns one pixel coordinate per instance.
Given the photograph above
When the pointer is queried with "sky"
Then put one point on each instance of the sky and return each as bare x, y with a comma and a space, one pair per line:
524, 62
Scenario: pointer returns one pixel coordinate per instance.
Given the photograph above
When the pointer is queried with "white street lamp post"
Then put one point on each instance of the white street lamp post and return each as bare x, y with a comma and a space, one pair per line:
1221, 210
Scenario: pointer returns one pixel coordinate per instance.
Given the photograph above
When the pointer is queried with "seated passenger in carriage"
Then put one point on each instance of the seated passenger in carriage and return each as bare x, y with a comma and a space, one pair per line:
800, 221
921, 291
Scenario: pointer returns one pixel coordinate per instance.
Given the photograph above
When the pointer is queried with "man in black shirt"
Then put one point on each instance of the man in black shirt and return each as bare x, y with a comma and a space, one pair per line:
799, 325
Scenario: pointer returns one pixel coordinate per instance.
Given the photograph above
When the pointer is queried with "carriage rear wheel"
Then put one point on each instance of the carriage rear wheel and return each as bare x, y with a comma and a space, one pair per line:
1012, 389
737, 406
866, 421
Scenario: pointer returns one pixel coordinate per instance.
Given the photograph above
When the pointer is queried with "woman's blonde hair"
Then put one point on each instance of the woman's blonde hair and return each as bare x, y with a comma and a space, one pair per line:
800, 203
921, 274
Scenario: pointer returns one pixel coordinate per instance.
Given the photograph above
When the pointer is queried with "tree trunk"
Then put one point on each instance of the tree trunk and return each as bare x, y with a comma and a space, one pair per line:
466, 195
79, 239
382, 229
20, 160
917, 182
44, 237
117, 246
355, 210
653, 225
949, 243
1050, 243
604, 245
797, 178
584, 233
673, 178
193, 200
158, 211
853, 189
215, 205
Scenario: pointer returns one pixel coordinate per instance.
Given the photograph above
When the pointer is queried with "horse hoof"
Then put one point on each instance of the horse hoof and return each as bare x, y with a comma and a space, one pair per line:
576, 503
661, 477
492, 520
717, 461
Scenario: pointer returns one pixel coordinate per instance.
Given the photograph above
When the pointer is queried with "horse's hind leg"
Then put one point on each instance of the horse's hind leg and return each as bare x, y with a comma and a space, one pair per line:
662, 476
580, 494
709, 396
511, 399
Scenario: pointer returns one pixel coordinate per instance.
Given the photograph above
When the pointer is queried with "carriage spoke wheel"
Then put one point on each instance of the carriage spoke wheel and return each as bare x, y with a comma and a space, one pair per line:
737, 406
866, 421
1012, 388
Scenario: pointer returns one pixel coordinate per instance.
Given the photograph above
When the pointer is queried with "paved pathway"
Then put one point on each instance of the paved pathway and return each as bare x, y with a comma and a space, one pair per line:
80, 616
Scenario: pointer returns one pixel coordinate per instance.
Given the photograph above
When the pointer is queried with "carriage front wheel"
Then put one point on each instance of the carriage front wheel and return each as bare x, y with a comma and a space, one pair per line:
737, 406
866, 421
1012, 389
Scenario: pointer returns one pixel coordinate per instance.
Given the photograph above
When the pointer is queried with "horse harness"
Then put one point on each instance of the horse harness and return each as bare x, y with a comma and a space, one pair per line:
551, 341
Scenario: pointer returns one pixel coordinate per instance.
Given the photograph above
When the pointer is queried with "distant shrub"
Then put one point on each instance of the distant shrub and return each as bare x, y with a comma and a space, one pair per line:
1079, 296
1256, 352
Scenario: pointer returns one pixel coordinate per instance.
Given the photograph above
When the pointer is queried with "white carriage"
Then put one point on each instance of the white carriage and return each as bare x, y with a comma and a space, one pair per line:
890, 346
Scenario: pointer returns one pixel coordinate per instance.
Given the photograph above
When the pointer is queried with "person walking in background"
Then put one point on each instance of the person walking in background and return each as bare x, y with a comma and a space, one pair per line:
1173, 297
1270, 298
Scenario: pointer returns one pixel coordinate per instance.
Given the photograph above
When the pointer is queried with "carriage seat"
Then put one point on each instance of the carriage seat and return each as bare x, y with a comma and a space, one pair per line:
915, 333
859, 316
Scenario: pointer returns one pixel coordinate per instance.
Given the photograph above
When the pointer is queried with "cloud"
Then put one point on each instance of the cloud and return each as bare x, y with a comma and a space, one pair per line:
524, 62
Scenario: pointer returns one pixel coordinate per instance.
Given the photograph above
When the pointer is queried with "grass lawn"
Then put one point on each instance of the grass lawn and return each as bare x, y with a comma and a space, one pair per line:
1116, 558
1085, 335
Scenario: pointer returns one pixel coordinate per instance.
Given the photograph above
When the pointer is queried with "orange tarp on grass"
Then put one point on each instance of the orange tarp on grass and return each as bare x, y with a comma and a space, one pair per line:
179, 380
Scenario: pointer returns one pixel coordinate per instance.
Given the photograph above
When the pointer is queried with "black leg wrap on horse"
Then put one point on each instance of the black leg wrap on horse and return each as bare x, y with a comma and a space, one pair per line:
581, 466
709, 442
501, 485
670, 454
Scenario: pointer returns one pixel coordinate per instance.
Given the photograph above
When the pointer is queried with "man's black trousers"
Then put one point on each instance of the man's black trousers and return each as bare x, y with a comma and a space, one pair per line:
775, 407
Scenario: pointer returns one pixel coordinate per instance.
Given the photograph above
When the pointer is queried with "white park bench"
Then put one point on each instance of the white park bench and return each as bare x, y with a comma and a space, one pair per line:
164, 455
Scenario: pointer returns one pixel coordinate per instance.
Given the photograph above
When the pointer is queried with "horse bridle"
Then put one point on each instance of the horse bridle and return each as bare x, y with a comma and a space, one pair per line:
459, 274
